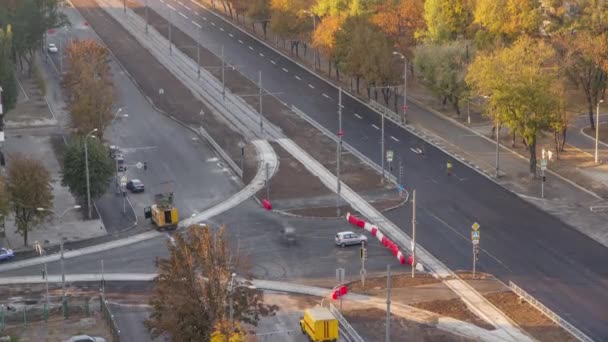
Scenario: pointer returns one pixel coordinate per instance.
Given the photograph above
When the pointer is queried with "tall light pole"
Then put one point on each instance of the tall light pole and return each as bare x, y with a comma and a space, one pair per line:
339, 151
230, 300
404, 84
86, 163
60, 216
117, 137
146, 8
497, 131
1, 110
314, 28
597, 130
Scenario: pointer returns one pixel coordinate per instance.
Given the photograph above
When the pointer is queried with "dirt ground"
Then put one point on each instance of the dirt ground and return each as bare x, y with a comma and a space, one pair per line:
397, 281
58, 329
454, 308
528, 317
603, 133
371, 325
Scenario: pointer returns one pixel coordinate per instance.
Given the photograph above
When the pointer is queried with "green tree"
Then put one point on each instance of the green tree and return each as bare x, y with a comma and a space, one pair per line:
443, 68
524, 91
28, 187
290, 21
101, 167
7, 71
191, 290
446, 19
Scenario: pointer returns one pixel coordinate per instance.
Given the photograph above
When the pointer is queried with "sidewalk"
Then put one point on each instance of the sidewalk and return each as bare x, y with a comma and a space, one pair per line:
33, 130
571, 191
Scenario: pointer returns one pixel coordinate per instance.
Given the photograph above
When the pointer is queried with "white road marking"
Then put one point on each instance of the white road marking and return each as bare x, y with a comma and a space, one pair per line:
212, 23
326, 96
205, 18
311, 86
183, 15
376, 127
240, 41
171, 7
261, 54
197, 25
273, 62
299, 79
285, 70
358, 116
231, 35
392, 137
250, 48
162, 1
179, 3
222, 29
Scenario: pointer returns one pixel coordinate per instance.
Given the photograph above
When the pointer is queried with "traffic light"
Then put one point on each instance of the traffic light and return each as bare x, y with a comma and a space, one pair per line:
476, 251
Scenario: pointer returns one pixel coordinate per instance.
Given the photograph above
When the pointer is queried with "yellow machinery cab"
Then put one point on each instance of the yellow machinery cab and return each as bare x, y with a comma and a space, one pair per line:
163, 213
320, 325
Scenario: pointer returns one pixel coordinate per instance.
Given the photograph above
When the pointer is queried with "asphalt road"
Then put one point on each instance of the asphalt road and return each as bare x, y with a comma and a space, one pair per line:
560, 266
177, 160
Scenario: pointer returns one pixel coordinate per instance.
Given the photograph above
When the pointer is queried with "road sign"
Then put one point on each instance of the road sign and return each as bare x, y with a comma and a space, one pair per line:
475, 236
123, 181
340, 133
340, 275
139, 165
475, 226
543, 164
389, 155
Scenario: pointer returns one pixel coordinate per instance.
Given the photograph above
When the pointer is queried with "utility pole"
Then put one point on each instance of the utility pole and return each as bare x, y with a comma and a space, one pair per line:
400, 171
86, 163
413, 233
404, 90
261, 115
597, 131
267, 184
224, 76
103, 281
388, 303
198, 55
497, 147
146, 9
382, 145
170, 29
363, 272
339, 150
62, 270
230, 300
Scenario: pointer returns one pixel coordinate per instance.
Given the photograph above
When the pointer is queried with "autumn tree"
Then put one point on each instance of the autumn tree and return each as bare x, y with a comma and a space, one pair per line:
505, 20
291, 22
524, 90
7, 73
403, 21
581, 54
324, 37
446, 19
101, 167
88, 82
443, 68
259, 11
191, 292
28, 187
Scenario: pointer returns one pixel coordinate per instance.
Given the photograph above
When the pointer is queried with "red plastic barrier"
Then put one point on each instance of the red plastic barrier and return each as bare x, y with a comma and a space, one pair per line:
361, 224
402, 259
374, 231
266, 204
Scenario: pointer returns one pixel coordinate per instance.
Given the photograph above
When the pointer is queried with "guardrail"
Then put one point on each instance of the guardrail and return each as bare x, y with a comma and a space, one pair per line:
107, 315
579, 335
598, 208
221, 152
348, 332
388, 113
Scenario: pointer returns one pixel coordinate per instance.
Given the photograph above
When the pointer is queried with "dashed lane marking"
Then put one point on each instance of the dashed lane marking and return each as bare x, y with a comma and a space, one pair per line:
358, 116
230, 35
240, 41
171, 7
285, 70
196, 24
326, 96
273, 62
298, 77
183, 15
261, 54
376, 127
392, 137
250, 48
311, 86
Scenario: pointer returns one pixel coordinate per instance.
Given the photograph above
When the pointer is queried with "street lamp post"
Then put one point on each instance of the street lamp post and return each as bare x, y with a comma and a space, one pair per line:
404, 85
314, 28
597, 130
86, 163
60, 216
497, 131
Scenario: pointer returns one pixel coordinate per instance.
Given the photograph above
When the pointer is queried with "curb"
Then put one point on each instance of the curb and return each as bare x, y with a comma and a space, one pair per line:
582, 131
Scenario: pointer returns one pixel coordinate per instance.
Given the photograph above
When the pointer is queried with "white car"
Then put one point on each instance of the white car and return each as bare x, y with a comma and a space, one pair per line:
53, 48
349, 238
85, 338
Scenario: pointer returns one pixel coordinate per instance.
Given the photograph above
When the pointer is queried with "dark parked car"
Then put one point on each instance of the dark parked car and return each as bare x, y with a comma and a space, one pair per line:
135, 185
6, 254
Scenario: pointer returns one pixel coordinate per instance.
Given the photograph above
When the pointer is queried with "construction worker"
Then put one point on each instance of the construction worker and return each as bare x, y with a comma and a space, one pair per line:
449, 168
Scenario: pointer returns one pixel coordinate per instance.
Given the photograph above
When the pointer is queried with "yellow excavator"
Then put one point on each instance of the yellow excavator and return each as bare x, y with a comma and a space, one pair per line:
163, 212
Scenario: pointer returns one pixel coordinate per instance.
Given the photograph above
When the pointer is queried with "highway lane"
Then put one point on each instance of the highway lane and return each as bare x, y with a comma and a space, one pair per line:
521, 243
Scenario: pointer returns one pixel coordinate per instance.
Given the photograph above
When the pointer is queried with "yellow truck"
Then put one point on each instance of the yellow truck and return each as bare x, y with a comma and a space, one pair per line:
320, 325
163, 213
